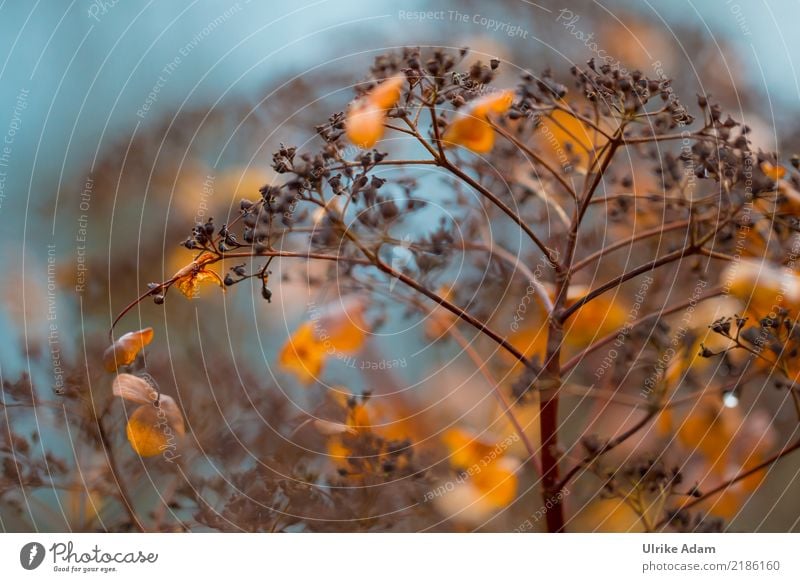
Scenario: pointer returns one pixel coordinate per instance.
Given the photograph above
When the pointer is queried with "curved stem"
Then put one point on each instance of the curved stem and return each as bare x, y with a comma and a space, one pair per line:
628, 242
610, 445
607, 339
537, 158
460, 313
541, 292
485, 192
616, 281
742, 475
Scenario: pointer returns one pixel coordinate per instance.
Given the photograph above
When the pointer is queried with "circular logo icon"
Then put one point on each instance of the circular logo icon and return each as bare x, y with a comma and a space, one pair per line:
31, 555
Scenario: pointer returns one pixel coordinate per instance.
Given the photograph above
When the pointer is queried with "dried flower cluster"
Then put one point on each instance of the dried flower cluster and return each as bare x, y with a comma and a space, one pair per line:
552, 186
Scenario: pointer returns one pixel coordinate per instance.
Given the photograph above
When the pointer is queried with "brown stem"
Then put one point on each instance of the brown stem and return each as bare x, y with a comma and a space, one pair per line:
548, 416
610, 445
743, 475
486, 193
537, 158
607, 339
460, 313
548, 420
437, 138
616, 281
628, 242
670, 137
512, 259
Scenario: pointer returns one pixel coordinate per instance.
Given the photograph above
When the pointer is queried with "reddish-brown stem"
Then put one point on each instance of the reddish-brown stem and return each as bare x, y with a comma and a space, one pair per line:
548, 415
548, 423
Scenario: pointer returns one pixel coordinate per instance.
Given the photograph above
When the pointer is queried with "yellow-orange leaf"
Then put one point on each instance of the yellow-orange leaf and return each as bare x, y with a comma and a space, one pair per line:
189, 278
365, 119
123, 351
774, 173
343, 331
152, 429
467, 448
387, 94
134, 389
334, 331
358, 418
303, 355
491, 482
497, 482
562, 132
762, 286
190, 285
470, 127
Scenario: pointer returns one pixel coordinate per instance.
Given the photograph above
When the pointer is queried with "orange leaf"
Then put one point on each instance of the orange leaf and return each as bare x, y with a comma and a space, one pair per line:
365, 118
189, 278
123, 351
497, 482
153, 429
134, 389
763, 286
467, 448
335, 330
303, 355
387, 94
774, 173
470, 127
562, 131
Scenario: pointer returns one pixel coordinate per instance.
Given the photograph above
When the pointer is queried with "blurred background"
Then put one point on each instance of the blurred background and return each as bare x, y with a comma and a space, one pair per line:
125, 123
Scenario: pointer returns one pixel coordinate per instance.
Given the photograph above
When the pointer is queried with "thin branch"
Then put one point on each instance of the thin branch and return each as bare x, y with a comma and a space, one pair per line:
742, 475
460, 313
541, 292
453, 169
669, 137
537, 158
508, 410
607, 339
628, 242
502, 206
610, 445
616, 281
